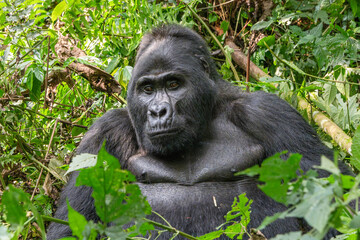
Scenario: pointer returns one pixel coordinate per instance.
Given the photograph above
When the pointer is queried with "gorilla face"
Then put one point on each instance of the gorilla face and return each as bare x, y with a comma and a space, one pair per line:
169, 99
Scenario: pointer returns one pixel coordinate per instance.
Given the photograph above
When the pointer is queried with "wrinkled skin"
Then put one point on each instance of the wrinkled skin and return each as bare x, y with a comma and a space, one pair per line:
184, 135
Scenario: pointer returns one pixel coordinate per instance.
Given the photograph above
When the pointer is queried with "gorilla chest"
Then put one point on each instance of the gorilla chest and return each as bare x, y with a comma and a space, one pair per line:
216, 158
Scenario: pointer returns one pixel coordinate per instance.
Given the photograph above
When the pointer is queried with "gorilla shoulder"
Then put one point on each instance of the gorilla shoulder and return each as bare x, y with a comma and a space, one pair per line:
116, 129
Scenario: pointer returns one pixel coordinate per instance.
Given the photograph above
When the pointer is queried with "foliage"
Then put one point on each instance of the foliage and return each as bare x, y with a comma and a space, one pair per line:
117, 200
318, 51
311, 48
323, 203
18, 212
237, 220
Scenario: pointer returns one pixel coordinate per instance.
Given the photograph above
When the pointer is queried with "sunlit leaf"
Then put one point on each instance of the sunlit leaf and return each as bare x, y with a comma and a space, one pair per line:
58, 10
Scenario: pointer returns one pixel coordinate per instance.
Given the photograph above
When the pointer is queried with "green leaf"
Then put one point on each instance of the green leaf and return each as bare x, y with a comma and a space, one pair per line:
239, 209
316, 207
58, 10
354, 6
117, 198
77, 222
69, 61
293, 66
16, 202
224, 26
276, 174
113, 64
76, 131
355, 222
340, 73
260, 25
33, 83
29, 80
316, 31
328, 165
90, 60
269, 40
271, 219
322, 15
213, 18
127, 73
2, 18
329, 93
347, 181
306, 39
355, 149
211, 235
117, 231
81, 161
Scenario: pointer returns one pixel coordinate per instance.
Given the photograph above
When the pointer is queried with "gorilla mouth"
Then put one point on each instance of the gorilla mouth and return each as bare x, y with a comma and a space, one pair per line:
163, 132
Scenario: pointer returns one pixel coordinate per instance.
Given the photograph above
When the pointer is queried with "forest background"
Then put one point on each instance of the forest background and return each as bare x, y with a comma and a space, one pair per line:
65, 63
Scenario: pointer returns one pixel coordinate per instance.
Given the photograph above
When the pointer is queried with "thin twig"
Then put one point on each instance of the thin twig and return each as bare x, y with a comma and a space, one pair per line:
237, 21
158, 214
119, 98
46, 155
221, 4
47, 72
170, 229
56, 220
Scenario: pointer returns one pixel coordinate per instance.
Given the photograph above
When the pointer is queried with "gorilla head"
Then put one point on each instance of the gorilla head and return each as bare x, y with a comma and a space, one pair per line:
171, 93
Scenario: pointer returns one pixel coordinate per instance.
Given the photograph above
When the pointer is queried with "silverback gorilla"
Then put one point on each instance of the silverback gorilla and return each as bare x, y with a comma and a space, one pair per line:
186, 132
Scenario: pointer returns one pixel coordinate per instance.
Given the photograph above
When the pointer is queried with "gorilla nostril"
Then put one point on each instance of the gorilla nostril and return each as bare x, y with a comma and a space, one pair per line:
153, 113
162, 112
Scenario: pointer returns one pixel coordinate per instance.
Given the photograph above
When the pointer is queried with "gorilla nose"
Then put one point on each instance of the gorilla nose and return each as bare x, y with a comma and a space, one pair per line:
160, 111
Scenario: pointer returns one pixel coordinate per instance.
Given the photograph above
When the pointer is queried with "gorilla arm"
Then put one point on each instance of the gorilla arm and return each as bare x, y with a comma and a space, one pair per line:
114, 127
278, 127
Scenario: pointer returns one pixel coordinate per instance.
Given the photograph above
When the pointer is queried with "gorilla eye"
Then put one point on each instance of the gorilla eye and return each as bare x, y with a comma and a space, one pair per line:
173, 85
148, 89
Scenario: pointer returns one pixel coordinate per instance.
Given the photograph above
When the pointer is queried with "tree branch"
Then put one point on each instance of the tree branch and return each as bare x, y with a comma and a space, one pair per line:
98, 79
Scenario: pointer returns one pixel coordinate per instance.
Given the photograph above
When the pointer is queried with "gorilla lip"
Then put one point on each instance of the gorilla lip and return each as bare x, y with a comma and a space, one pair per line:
162, 133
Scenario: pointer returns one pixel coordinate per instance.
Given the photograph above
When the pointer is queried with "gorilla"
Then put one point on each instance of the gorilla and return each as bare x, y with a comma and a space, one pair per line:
184, 134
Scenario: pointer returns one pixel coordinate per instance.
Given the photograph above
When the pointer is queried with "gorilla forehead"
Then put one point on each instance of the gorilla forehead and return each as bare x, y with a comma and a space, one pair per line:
168, 55
175, 48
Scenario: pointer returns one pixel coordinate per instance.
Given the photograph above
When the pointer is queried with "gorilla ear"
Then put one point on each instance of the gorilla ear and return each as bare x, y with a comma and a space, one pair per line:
204, 63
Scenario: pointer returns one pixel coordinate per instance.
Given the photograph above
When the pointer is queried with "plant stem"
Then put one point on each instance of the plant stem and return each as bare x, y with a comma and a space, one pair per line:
56, 220
170, 229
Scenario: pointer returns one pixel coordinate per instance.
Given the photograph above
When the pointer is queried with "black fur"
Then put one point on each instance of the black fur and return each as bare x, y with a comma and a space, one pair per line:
184, 134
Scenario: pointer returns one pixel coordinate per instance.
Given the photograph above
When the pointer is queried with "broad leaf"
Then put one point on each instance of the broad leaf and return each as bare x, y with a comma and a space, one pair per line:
117, 198
58, 10
355, 149
84, 160
260, 25
77, 222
